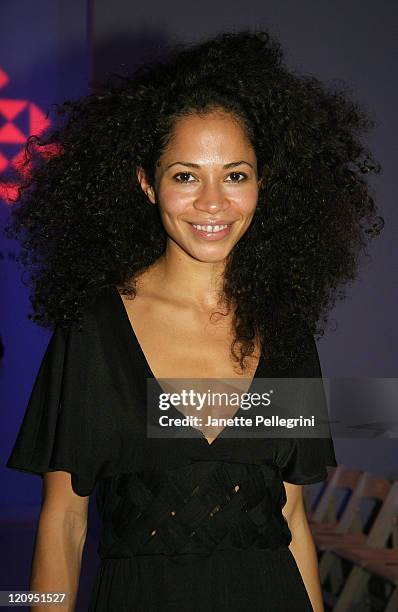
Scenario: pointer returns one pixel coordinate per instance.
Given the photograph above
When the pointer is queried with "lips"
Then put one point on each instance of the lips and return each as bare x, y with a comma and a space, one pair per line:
210, 228
211, 232
212, 222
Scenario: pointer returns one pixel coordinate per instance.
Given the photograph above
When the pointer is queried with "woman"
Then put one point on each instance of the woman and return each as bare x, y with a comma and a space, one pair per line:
210, 202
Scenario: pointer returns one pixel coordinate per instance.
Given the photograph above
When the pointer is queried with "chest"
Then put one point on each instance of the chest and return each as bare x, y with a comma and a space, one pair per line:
184, 344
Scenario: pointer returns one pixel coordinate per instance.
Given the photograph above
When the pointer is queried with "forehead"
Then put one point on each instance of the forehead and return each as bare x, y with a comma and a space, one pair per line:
216, 132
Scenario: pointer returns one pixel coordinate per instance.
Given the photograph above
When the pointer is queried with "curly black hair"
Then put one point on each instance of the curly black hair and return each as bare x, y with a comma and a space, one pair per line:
82, 217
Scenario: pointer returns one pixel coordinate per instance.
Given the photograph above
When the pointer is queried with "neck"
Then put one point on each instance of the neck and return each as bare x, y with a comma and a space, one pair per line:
187, 279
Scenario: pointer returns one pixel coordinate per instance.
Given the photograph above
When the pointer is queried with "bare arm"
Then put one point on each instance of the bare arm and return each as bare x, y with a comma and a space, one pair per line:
302, 545
60, 539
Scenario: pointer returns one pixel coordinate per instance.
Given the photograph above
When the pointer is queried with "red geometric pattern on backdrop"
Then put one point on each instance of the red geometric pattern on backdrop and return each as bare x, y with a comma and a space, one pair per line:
19, 119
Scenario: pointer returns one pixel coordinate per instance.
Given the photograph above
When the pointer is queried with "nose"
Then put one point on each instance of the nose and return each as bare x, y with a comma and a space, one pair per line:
211, 199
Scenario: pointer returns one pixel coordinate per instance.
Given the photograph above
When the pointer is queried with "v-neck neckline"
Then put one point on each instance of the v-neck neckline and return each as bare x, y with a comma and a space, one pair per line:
133, 337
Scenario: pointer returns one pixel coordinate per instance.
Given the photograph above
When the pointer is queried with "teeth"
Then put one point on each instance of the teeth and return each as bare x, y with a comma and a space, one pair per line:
210, 228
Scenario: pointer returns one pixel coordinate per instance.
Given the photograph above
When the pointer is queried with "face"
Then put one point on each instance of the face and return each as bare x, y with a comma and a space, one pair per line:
206, 185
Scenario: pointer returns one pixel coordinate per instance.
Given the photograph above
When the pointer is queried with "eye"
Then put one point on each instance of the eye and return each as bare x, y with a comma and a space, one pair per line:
184, 177
235, 177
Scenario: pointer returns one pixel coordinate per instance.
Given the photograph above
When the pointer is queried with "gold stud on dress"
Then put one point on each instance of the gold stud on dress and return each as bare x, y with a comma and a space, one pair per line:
215, 509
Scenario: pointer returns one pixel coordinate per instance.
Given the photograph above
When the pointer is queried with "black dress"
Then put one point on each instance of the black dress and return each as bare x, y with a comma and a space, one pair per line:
187, 525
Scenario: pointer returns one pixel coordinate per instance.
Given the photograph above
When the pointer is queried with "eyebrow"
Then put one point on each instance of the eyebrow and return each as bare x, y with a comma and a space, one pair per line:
192, 165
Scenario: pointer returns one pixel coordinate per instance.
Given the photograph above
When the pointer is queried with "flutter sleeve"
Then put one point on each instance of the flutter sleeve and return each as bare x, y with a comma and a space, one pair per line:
305, 460
67, 423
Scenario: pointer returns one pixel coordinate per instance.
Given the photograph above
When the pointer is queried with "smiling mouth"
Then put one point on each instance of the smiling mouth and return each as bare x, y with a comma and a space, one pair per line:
210, 228
211, 232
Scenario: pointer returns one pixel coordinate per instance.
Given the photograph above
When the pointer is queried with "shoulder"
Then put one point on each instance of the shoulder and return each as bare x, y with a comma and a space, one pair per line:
84, 342
101, 303
310, 365
98, 311
306, 362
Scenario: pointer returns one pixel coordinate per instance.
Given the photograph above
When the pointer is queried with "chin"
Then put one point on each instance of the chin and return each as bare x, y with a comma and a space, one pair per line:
206, 253
216, 257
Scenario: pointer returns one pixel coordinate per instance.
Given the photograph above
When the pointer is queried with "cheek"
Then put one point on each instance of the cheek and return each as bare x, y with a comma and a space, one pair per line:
245, 199
174, 201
